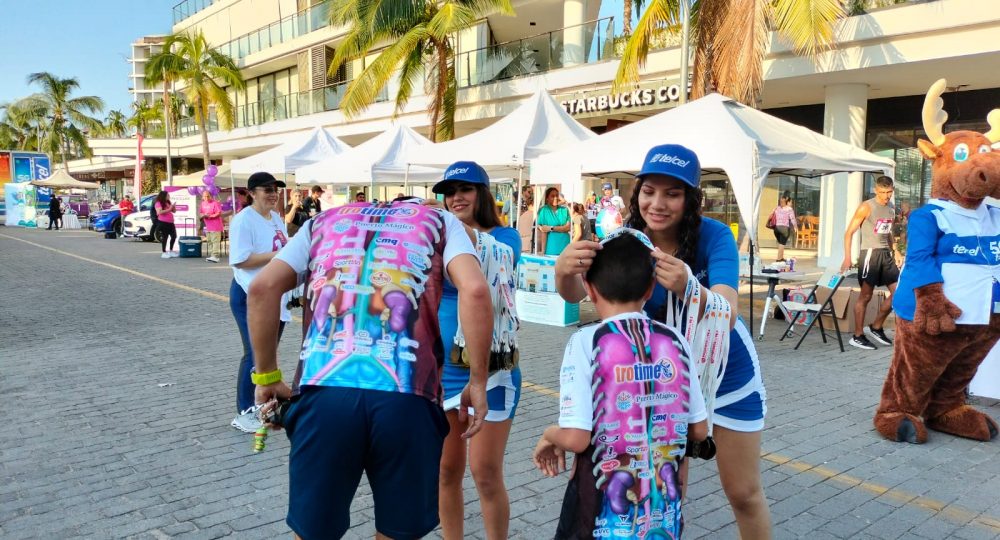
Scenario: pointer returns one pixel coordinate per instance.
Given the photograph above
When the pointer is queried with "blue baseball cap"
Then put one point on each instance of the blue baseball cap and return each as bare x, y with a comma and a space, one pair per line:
462, 171
672, 160
606, 185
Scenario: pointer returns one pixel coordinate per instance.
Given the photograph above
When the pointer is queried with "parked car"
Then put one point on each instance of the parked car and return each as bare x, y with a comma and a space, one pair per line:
111, 219
138, 224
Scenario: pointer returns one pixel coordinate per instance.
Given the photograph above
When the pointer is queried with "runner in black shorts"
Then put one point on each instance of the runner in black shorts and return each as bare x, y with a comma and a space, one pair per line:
367, 389
878, 264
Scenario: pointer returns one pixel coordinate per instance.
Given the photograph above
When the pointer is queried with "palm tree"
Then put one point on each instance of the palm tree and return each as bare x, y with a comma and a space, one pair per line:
164, 67
627, 14
22, 124
416, 32
67, 113
188, 57
730, 39
115, 125
142, 114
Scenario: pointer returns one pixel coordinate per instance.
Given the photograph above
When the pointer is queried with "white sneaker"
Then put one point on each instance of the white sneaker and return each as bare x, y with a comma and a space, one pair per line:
212, 259
165, 255
247, 421
174, 254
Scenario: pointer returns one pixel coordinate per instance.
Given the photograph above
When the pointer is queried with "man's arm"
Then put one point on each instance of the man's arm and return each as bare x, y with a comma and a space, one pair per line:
263, 314
475, 309
859, 217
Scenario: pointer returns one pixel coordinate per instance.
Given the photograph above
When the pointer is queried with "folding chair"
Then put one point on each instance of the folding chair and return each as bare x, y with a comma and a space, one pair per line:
831, 279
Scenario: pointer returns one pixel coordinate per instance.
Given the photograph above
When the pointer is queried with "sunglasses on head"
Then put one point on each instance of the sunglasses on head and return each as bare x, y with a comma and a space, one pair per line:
268, 189
622, 231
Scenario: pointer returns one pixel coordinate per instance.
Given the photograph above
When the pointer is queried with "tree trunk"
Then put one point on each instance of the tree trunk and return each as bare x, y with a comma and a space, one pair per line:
442, 87
166, 108
627, 18
203, 128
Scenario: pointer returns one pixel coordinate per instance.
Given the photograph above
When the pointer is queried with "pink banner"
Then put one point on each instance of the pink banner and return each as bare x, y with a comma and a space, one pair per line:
137, 182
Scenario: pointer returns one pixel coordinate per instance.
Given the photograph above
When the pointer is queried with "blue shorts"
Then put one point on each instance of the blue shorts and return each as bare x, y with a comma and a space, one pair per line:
338, 433
503, 390
740, 401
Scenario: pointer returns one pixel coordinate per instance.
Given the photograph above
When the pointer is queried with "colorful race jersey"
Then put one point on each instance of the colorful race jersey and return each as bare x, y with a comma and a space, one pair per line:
628, 381
373, 284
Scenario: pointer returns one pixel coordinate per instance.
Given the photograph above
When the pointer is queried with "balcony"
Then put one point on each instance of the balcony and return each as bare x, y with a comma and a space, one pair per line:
187, 8
287, 29
588, 43
314, 101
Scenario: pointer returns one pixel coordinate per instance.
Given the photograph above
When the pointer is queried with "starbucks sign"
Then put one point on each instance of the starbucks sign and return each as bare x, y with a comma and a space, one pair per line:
603, 101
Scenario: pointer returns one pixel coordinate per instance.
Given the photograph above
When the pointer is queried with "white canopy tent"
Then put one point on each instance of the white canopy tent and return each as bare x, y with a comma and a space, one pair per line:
299, 151
60, 179
731, 140
537, 127
381, 159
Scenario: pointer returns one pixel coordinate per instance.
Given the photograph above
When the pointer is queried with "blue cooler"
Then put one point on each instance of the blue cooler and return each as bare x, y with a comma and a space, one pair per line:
190, 246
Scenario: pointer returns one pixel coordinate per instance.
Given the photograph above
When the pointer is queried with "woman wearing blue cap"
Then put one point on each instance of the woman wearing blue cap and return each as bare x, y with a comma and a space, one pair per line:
467, 195
697, 265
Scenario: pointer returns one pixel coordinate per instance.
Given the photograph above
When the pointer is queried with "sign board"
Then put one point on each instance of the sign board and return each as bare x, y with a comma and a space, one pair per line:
650, 95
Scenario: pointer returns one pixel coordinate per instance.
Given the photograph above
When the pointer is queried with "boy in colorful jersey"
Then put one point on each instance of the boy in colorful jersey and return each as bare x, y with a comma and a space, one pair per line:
629, 403
368, 383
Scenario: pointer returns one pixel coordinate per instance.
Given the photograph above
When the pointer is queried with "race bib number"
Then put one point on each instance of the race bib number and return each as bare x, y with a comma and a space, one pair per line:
883, 226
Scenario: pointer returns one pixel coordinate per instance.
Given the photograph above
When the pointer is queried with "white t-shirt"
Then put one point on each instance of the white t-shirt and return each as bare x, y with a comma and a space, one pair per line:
576, 399
296, 253
250, 233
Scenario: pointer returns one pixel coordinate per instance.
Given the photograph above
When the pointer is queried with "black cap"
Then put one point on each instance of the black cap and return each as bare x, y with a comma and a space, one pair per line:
261, 179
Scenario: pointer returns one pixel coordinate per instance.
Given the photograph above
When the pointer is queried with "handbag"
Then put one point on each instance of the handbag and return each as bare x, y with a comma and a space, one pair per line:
772, 221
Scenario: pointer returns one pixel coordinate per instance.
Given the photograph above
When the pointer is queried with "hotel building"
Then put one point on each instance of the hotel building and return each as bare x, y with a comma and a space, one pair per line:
866, 90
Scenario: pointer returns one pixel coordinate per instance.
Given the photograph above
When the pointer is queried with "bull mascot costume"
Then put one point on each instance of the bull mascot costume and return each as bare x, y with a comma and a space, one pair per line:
948, 299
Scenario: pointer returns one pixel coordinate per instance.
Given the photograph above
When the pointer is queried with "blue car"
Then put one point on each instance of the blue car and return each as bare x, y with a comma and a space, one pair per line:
111, 219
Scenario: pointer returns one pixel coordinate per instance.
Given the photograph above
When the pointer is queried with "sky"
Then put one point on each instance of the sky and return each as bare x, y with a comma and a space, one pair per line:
91, 40
87, 39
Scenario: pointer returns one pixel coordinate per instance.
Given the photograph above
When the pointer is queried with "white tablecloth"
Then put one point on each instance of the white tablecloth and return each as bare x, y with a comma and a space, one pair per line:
70, 221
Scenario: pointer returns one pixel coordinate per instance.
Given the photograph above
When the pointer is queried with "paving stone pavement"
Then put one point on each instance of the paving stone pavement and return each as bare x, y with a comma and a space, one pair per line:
118, 371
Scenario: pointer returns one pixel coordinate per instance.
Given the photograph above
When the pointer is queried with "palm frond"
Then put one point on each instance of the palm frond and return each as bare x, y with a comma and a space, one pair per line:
657, 16
807, 24
411, 73
739, 43
363, 91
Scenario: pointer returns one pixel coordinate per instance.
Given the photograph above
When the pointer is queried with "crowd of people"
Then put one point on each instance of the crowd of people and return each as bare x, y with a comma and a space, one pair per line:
400, 376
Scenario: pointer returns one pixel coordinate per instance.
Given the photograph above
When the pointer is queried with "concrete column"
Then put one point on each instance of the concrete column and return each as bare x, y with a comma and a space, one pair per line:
574, 51
845, 119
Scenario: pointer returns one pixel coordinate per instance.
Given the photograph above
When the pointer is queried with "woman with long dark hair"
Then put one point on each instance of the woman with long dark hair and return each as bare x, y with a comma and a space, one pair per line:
784, 223
697, 256
553, 224
165, 217
467, 196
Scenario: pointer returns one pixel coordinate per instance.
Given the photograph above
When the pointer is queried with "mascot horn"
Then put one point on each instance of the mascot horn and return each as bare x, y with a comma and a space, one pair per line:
948, 299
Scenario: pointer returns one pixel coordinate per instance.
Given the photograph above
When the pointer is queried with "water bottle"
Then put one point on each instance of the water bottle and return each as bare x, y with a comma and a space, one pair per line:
791, 264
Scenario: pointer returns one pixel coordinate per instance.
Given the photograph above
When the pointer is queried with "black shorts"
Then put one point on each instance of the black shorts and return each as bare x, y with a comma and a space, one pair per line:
338, 433
781, 234
877, 267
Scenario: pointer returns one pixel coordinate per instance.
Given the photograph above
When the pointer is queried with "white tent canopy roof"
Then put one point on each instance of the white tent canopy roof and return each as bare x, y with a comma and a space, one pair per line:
60, 179
537, 127
731, 140
381, 159
300, 150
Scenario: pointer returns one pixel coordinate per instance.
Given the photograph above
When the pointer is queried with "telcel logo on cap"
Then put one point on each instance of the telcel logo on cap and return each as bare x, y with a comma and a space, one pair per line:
456, 170
667, 158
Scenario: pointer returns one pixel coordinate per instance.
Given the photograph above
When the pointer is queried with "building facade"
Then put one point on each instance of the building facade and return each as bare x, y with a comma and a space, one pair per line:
866, 90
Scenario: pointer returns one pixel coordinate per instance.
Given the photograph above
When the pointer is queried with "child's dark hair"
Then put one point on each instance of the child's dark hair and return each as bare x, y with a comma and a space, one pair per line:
622, 271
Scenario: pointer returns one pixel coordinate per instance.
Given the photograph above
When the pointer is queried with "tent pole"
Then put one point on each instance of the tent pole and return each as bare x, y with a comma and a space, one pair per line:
517, 208
406, 180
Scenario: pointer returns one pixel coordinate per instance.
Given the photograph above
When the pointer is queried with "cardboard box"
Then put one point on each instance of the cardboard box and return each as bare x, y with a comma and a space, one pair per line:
546, 308
537, 274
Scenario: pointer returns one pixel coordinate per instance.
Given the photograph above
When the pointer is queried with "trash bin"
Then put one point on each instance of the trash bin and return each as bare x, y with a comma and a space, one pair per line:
190, 246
